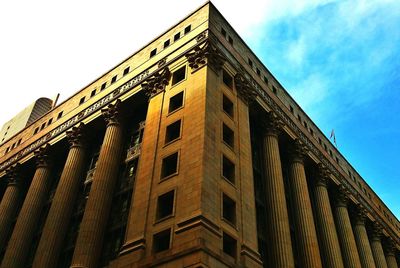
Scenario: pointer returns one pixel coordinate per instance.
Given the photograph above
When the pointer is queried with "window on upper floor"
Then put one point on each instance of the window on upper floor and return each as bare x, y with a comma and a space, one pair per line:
60, 114
126, 71
82, 100
177, 36
228, 209
175, 102
230, 40
165, 205
173, 132
103, 86
228, 135
223, 32
188, 29
228, 169
169, 165
153, 52
93, 93
227, 79
114, 79
166, 43
179, 75
229, 245
227, 106
162, 241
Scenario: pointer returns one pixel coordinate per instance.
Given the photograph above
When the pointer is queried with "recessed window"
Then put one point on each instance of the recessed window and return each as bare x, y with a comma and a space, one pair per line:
223, 32
8, 149
12, 146
228, 169
103, 86
178, 75
19, 142
161, 241
126, 71
227, 105
166, 43
228, 209
305, 124
43, 126
230, 40
114, 79
312, 132
169, 165
250, 63
228, 135
36, 130
274, 90
177, 36
291, 109
82, 100
265, 79
50, 121
175, 102
258, 71
227, 79
93, 93
60, 114
153, 52
188, 28
299, 117
319, 140
173, 131
229, 245
165, 205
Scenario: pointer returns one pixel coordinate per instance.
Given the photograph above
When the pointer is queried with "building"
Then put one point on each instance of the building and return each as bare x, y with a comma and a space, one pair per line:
187, 154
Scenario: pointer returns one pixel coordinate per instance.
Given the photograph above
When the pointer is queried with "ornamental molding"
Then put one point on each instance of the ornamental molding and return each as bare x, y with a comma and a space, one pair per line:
298, 151
322, 175
156, 83
244, 89
42, 156
13, 174
111, 113
271, 124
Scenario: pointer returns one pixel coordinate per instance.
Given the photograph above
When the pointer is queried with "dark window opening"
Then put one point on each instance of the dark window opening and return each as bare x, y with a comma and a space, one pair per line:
93, 93
169, 165
178, 75
103, 86
188, 29
250, 63
265, 79
36, 130
228, 135
228, 209
50, 121
274, 90
8, 149
227, 79
161, 241
305, 124
126, 71
227, 105
19, 142
114, 79
60, 114
175, 102
153, 52
173, 131
12, 146
223, 32
166, 43
312, 132
177, 36
230, 40
228, 169
258, 71
165, 205
229, 245
82, 100
43, 126
299, 117
291, 109
319, 140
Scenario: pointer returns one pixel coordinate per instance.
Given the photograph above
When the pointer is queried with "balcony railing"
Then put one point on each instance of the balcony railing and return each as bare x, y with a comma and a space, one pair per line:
133, 152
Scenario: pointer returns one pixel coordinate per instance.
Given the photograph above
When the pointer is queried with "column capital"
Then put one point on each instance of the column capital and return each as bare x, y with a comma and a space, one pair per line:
390, 247
156, 83
42, 156
322, 175
245, 91
360, 214
111, 113
341, 196
298, 151
75, 136
13, 174
271, 124
376, 231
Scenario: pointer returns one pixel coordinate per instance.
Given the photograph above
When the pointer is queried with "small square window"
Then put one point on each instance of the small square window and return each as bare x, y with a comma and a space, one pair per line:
223, 32
230, 40
173, 132
82, 100
12, 146
93, 93
250, 63
43, 126
228, 169
299, 117
161, 241
114, 79
188, 29
319, 140
228, 209
166, 43
19, 142
60, 114
291, 109
126, 71
165, 205
227, 79
177, 36
265, 79
274, 90
229, 245
227, 105
258, 71
153, 52
228, 135
8, 149
179, 75
36, 130
169, 165
312, 132
103, 86
175, 102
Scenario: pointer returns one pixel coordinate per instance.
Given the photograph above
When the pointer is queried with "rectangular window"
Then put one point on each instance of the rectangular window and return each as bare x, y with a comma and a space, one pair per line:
274, 90
8, 149
228, 209
153, 52
114, 79
223, 32
43, 126
36, 130
173, 131
229, 245
169, 165
103, 86
175, 102
250, 63
291, 108
265, 79
258, 71
228, 135
60, 114
161, 241
179, 75
166, 43
82, 100
50, 121
228, 169
227, 105
126, 71
93, 93
230, 40
12, 146
188, 29
165, 205
19, 142
227, 79
177, 36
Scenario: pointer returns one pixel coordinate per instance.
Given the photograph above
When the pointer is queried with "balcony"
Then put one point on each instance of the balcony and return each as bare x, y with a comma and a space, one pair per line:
133, 152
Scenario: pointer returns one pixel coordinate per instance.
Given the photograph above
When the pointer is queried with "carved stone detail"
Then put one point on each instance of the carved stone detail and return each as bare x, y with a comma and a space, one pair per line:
245, 91
271, 124
203, 35
156, 83
341, 196
75, 136
111, 113
376, 231
13, 174
298, 151
360, 214
205, 53
42, 156
161, 63
390, 247
322, 175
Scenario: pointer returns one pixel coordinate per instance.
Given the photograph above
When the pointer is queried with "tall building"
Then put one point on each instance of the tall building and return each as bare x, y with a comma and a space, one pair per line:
189, 153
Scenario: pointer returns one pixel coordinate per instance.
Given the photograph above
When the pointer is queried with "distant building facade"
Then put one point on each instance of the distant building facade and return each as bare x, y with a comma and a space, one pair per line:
187, 154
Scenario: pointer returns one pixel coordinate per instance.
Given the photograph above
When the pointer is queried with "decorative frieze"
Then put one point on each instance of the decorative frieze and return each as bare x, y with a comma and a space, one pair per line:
322, 175
297, 151
271, 124
156, 83
111, 113
75, 136
245, 91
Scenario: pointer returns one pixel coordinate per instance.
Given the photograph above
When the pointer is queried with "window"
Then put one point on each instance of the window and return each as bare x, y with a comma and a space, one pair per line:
179, 75
82, 100
188, 28
229, 245
274, 90
8, 149
250, 63
228, 135
173, 132
258, 71
312, 132
103, 86
175, 102
43, 126
291, 108
227, 79
166, 43
299, 117
169, 165
228, 209
153, 52
228, 169
60, 114
36, 130
227, 106
50, 121
12, 146
305, 124
319, 140
93, 93
114, 79
161, 241
19, 142
223, 32
230, 40
177, 36
265, 79
165, 205
126, 71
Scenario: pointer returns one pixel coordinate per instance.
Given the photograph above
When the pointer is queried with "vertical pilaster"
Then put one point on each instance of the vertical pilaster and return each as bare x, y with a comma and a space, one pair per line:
9, 203
306, 235
351, 259
63, 203
331, 254
363, 245
376, 246
91, 233
25, 227
390, 254
278, 230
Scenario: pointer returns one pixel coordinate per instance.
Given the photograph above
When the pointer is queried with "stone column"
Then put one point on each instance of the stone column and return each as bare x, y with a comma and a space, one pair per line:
363, 245
28, 218
94, 222
306, 235
390, 254
330, 247
376, 246
351, 259
278, 230
9, 204
61, 209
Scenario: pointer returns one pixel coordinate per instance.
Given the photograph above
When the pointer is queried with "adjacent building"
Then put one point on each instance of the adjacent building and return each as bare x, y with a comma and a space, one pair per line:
189, 153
